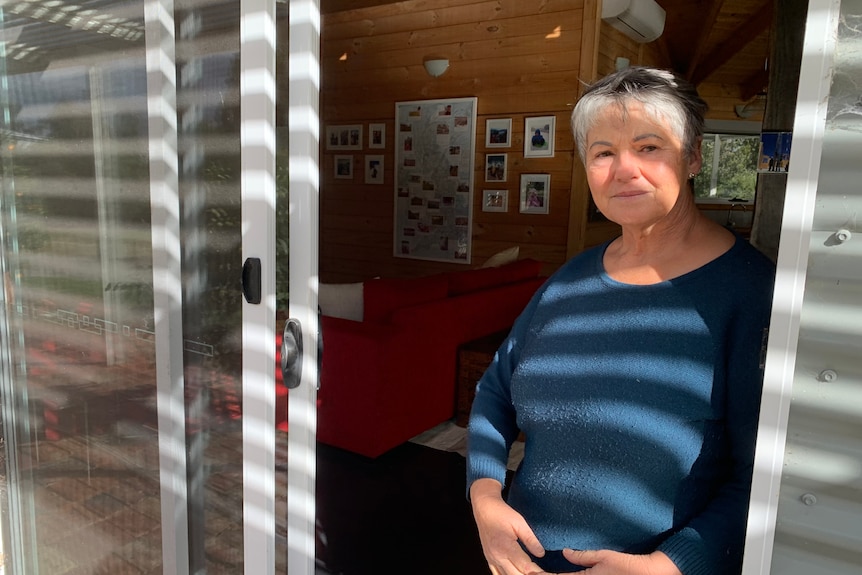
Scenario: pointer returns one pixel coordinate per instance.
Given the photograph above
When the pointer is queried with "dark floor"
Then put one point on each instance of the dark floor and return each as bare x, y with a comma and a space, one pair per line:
404, 512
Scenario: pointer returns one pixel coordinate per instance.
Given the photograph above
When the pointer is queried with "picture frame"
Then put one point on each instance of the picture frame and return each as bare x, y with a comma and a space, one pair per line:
376, 136
496, 167
774, 153
539, 136
343, 167
495, 200
374, 169
498, 133
535, 193
344, 137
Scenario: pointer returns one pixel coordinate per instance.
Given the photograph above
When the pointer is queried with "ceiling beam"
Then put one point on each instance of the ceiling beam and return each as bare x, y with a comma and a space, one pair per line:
743, 35
706, 26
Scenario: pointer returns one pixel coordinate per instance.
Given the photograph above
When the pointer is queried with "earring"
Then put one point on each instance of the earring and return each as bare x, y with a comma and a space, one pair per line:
691, 175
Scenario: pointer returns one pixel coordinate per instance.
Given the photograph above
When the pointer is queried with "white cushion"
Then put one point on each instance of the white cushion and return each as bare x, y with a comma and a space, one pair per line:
507, 256
341, 300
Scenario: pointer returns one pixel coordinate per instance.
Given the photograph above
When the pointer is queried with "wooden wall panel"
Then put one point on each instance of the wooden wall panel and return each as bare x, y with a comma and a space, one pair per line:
519, 59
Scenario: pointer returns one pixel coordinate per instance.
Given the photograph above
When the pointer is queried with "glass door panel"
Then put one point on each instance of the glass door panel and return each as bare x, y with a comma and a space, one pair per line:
117, 460
79, 401
207, 65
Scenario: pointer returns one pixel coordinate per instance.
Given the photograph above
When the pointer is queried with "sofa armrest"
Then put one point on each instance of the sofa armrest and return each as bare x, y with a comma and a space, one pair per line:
383, 382
380, 384
354, 354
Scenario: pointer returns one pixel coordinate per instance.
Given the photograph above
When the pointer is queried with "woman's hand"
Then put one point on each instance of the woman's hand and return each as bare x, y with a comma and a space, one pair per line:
606, 562
500, 529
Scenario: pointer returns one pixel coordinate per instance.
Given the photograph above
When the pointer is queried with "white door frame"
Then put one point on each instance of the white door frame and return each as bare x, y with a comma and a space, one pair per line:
304, 129
167, 281
258, 142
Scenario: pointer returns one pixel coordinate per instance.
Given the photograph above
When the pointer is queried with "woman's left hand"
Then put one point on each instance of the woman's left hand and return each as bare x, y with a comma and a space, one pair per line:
605, 562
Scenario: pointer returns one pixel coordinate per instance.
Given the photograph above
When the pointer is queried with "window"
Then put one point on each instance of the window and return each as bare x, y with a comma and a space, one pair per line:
729, 169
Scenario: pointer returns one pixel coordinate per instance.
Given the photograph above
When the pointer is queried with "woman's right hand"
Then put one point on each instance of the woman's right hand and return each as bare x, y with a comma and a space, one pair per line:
500, 530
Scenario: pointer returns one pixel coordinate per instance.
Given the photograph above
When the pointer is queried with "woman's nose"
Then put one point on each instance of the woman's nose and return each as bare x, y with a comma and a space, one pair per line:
626, 167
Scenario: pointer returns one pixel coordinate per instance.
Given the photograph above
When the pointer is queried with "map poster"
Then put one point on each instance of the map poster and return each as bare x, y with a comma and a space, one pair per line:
434, 179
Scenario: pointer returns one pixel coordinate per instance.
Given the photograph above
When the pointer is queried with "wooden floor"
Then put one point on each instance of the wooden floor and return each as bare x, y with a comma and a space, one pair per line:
404, 512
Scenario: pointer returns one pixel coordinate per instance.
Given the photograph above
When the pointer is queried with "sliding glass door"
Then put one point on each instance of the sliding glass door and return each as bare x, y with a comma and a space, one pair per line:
137, 330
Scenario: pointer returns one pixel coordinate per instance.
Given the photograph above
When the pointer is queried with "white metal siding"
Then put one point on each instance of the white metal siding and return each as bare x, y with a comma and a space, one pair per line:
818, 516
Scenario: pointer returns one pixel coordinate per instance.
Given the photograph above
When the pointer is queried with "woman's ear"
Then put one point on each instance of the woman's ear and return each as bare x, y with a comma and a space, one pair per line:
695, 160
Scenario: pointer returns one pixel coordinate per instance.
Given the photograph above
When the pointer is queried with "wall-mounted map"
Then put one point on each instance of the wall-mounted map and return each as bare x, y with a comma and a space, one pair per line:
434, 179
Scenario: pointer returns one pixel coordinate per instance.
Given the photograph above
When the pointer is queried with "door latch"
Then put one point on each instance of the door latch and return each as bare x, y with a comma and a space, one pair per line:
291, 353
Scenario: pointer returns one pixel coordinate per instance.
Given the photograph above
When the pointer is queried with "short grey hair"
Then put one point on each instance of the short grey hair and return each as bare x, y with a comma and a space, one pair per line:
666, 97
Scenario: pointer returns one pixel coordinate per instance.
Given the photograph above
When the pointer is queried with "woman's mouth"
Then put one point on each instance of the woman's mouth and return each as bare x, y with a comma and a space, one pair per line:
631, 193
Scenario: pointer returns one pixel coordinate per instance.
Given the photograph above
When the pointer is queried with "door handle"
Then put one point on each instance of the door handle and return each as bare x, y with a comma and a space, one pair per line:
291, 353
251, 283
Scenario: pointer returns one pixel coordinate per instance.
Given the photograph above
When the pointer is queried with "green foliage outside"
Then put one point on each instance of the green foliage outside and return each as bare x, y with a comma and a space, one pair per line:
736, 177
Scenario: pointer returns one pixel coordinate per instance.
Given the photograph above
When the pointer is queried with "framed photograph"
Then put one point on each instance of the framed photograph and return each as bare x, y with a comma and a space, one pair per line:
374, 169
535, 193
376, 136
498, 133
343, 167
539, 137
774, 153
495, 200
346, 137
495, 167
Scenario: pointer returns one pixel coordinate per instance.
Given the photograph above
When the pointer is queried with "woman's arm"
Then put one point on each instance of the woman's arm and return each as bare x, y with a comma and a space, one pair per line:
713, 541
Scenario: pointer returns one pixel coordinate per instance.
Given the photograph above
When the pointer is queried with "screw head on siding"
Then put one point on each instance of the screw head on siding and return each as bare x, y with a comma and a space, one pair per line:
809, 499
843, 235
828, 375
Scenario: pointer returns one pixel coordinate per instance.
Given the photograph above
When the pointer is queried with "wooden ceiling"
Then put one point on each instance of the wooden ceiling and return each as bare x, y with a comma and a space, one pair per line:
719, 41
716, 41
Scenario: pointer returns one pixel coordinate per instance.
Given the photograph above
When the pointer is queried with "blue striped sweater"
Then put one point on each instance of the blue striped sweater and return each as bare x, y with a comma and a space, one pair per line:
639, 405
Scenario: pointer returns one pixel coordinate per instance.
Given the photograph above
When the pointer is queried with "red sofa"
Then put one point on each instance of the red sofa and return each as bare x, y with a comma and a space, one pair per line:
392, 376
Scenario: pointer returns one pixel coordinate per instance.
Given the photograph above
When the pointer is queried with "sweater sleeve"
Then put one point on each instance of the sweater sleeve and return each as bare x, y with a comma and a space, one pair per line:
712, 542
492, 427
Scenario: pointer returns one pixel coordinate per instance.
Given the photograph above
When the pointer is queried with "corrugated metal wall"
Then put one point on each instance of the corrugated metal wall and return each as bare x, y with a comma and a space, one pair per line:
818, 523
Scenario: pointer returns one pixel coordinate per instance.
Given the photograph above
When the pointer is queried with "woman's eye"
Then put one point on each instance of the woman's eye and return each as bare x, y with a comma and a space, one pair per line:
649, 148
604, 154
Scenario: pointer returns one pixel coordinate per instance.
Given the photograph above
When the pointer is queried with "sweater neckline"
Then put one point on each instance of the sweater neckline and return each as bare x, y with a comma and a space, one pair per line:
607, 279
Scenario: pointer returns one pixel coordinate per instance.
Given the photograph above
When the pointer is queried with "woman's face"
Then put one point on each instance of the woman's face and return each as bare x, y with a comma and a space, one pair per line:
635, 166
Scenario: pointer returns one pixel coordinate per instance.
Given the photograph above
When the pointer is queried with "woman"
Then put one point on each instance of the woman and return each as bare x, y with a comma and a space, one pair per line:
634, 372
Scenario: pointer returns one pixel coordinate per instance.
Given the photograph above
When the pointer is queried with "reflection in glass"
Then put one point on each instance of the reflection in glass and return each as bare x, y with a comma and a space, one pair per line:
79, 407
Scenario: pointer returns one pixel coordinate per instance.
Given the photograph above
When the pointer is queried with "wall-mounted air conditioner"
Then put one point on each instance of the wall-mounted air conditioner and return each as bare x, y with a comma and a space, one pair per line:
641, 20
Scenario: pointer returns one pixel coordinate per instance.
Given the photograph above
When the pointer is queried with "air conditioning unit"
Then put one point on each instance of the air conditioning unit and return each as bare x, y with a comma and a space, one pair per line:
641, 20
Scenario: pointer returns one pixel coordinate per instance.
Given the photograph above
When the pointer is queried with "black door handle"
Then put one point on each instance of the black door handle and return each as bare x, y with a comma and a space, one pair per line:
291, 353
251, 282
